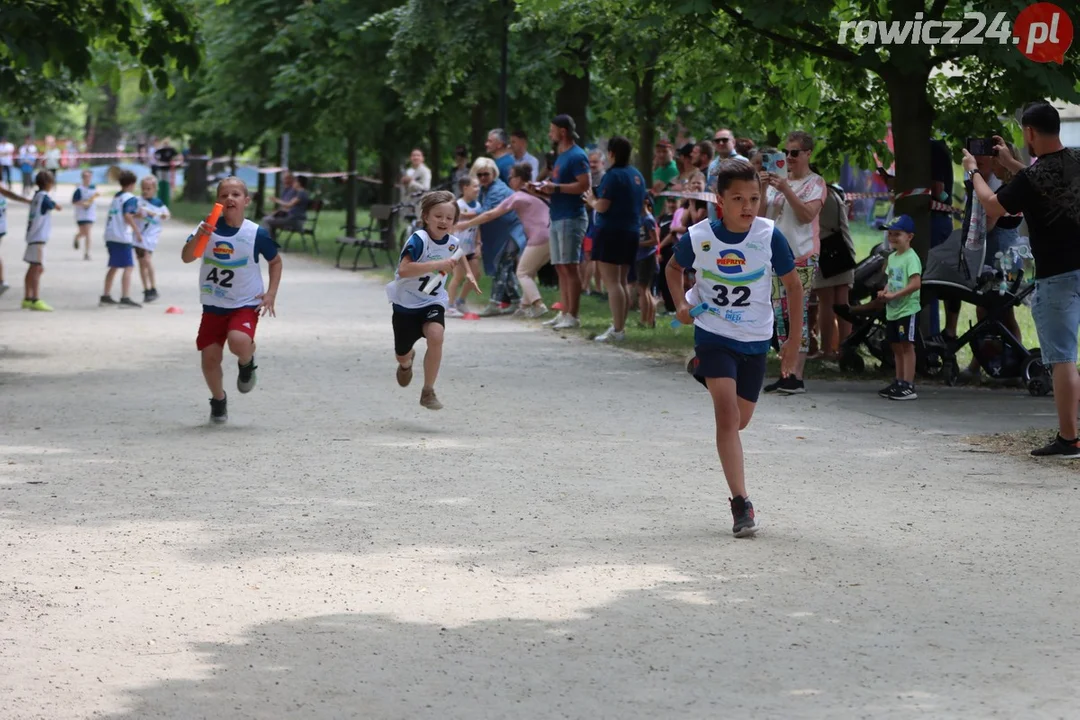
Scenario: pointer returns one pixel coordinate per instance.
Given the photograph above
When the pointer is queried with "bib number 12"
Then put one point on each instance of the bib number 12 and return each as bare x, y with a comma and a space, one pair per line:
222, 279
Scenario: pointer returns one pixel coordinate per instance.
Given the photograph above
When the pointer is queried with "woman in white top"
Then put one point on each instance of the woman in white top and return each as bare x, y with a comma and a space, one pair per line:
794, 203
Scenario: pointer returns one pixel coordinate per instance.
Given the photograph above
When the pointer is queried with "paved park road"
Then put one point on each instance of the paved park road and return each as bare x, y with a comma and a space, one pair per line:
554, 544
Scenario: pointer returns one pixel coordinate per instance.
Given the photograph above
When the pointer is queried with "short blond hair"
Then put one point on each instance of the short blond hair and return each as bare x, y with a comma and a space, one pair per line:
234, 179
149, 178
485, 163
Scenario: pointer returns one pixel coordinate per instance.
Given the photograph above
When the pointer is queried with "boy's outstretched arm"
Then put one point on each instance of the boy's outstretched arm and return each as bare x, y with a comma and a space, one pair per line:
12, 196
266, 306
674, 275
789, 351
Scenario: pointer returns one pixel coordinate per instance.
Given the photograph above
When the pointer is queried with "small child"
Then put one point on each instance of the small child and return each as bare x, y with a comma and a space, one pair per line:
231, 286
645, 267
904, 271
4, 196
735, 258
119, 228
37, 234
152, 212
468, 204
417, 293
85, 212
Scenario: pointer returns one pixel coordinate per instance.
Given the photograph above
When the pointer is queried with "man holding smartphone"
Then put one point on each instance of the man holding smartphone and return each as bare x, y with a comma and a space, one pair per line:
1048, 194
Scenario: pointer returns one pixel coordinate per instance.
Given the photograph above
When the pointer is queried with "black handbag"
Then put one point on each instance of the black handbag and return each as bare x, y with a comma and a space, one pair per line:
836, 256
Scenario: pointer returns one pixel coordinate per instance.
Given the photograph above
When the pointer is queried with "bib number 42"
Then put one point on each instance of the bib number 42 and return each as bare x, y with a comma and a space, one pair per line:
222, 278
731, 296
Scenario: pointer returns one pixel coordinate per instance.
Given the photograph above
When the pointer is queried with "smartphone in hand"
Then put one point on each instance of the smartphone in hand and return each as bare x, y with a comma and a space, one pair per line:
775, 164
981, 146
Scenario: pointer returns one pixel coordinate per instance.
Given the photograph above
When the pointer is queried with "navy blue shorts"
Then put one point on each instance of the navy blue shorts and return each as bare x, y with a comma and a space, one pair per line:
748, 371
902, 329
119, 255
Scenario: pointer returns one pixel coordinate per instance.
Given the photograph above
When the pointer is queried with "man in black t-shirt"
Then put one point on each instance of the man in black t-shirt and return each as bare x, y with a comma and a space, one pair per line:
1048, 194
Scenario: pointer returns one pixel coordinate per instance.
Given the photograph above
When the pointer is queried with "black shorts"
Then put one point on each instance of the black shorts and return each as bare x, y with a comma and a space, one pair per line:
409, 326
142, 252
470, 257
645, 271
617, 247
902, 329
748, 371
85, 222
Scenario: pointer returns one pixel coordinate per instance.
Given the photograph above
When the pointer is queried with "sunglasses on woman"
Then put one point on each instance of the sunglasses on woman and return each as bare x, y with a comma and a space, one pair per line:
483, 174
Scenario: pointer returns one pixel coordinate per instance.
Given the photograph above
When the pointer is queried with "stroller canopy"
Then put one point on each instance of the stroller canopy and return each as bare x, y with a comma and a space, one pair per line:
953, 264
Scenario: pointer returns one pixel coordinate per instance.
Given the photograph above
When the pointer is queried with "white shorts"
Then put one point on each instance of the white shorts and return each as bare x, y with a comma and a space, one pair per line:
148, 246
35, 254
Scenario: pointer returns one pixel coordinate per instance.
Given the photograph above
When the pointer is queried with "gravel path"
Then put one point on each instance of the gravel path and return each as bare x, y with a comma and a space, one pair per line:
554, 544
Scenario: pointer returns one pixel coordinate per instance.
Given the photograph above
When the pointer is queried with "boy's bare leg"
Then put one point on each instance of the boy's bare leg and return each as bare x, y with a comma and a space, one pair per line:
109, 280
242, 346
908, 350
433, 333
125, 283
211, 369
732, 414
148, 261
142, 274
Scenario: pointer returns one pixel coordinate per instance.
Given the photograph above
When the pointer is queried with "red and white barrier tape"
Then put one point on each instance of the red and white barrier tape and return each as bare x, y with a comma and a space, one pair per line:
934, 204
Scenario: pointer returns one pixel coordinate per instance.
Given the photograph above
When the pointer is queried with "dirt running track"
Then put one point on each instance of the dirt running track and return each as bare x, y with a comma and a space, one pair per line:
554, 544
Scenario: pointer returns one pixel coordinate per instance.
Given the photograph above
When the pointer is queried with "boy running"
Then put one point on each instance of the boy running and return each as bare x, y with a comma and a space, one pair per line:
468, 207
119, 228
152, 212
904, 272
37, 234
233, 297
4, 196
734, 259
85, 212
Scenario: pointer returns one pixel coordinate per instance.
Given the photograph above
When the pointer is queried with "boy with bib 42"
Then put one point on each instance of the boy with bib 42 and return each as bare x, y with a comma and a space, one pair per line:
734, 260
418, 290
231, 286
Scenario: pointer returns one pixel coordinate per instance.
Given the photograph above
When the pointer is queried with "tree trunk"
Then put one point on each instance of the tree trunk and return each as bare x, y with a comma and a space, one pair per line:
196, 183
646, 112
435, 163
350, 188
478, 130
912, 126
572, 97
106, 129
279, 177
260, 194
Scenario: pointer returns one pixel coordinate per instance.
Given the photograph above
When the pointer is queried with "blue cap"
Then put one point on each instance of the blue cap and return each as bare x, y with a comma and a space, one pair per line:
904, 223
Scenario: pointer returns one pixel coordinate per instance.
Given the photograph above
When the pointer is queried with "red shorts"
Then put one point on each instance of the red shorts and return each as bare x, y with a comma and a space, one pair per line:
215, 329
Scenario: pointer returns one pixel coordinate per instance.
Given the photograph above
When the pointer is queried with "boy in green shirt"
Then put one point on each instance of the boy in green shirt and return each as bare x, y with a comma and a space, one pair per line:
904, 272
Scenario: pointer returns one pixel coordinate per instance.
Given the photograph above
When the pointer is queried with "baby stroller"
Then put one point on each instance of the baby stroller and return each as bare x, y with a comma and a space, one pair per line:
867, 320
955, 270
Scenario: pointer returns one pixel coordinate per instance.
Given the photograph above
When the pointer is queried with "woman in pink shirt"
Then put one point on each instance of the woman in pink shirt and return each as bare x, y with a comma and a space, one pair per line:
535, 217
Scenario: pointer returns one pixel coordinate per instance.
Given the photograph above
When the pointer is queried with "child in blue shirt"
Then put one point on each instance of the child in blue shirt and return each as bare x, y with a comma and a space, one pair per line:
645, 265
734, 259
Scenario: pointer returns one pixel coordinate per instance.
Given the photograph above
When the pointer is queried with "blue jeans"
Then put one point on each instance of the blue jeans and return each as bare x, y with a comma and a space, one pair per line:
1056, 312
566, 238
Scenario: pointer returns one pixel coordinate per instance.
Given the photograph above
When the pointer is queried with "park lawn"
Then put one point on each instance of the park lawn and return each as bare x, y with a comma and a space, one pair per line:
663, 340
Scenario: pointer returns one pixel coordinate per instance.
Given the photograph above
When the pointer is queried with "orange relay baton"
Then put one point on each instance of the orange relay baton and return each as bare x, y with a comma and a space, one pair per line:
202, 238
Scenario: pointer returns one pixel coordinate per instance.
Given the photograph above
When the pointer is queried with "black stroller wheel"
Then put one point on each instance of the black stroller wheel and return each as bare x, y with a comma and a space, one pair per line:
950, 372
1037, 376
852, 362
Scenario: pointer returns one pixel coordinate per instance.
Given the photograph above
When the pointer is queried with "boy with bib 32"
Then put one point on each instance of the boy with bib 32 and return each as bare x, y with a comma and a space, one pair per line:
231, 286
734, 260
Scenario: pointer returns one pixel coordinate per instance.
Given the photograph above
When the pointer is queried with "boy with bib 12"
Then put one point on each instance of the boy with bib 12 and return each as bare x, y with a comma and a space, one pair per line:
231, 286
418, 290
734, 260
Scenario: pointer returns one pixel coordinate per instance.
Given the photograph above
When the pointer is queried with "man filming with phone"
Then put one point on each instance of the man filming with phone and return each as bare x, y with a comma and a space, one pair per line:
1048, 194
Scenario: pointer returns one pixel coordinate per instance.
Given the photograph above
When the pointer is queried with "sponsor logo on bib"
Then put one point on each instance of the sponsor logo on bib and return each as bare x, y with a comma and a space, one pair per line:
223, 250
731, 262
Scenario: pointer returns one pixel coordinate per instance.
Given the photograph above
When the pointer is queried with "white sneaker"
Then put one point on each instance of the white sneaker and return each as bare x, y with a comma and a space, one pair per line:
453, 312
4, 288
536, 311
554, 321
567, 322
611, 335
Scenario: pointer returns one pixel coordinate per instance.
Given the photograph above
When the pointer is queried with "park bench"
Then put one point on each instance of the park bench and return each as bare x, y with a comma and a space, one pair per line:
307, 230
376, 236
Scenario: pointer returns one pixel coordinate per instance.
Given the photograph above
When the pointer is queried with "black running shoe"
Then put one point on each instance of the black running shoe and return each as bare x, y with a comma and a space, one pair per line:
775, 386
106, 301
742, 510
791, 385
219, 411
245, 381
903, 392
1060, 448
886, 391
127, 303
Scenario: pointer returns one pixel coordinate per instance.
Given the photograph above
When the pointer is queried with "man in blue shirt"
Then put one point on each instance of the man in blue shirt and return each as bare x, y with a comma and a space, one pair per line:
724, 145
498, 147
569, 181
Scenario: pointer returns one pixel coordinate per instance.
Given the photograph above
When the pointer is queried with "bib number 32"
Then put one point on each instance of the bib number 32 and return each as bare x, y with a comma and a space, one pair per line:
222, 278
731, 296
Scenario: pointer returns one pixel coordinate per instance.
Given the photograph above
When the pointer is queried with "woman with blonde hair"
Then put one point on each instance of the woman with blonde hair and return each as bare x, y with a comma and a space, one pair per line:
499, 240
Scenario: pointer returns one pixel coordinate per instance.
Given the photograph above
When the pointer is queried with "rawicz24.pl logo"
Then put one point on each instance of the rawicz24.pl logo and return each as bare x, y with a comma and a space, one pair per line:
1043, 32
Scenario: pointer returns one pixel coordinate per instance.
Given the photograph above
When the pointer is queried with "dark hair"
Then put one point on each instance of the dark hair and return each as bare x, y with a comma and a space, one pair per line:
45, 177
522, 170
127, 178
744, 146
464, 182
706, 148
805, 139
460, 151
621, 148
1042, 117
732, 170
301, 180
437, 197
520, 134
